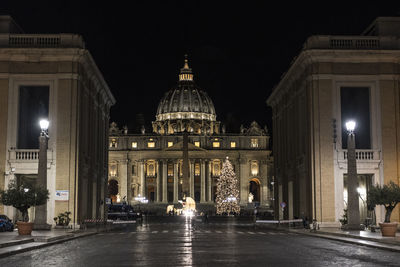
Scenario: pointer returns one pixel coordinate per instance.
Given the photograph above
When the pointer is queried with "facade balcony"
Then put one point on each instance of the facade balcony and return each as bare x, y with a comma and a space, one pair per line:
27, 160
366, 158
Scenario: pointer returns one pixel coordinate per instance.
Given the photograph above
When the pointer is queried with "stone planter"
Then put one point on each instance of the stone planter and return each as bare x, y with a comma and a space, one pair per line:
24, 228
388, 229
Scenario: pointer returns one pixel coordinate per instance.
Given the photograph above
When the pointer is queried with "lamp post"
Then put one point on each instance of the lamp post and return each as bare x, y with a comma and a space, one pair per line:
41, 211
353, 211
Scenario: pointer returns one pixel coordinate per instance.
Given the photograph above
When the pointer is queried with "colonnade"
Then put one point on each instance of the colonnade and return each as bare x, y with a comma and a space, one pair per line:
161, 189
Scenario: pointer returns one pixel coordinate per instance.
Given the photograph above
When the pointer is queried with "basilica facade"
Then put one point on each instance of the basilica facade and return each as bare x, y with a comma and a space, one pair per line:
152, 165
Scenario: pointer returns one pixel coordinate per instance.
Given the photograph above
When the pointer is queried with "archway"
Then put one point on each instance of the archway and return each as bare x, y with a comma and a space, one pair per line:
254, 188
113, 190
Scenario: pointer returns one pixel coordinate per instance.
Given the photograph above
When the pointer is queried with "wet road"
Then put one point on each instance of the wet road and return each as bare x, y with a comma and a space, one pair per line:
182, 244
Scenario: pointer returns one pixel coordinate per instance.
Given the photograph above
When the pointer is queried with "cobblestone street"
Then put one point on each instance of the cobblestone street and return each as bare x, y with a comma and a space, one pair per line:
185, 244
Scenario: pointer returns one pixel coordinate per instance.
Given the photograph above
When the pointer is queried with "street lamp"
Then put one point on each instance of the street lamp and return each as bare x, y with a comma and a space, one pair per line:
41, 211
353, 210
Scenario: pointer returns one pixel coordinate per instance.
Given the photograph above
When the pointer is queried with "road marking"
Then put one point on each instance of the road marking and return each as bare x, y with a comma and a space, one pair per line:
239, 232
219, 232
165, 231
176, 232
261, 233
208, 231
252, 233
154, 232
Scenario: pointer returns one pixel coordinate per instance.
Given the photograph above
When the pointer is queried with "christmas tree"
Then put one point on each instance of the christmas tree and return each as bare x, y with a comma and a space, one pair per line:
227, 190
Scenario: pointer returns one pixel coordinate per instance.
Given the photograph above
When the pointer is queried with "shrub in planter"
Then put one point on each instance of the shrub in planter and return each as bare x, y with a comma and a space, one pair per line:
23, 196
388, 196
62, 219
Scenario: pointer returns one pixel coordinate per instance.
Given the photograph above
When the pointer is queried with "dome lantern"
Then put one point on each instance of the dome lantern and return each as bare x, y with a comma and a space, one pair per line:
186, 72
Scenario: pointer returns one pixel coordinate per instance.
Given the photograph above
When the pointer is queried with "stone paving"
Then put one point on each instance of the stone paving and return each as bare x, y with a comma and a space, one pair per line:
190, 244
195, 230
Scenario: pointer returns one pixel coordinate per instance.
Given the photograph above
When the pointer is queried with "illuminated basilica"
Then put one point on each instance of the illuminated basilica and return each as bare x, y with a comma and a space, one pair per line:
152, 165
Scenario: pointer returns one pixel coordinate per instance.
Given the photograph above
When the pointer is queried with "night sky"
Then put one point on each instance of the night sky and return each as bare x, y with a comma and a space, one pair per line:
238, 50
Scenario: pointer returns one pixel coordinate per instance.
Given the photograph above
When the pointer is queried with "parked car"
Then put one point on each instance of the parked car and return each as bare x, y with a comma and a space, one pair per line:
5, 224
122, 212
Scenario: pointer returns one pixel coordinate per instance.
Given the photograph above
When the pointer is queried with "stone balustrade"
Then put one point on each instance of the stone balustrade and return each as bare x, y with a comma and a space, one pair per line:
361, 154
351, 42
28, 155
42, 40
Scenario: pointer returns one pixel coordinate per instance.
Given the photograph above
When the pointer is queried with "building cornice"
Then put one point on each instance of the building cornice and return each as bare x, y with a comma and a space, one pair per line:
307, 57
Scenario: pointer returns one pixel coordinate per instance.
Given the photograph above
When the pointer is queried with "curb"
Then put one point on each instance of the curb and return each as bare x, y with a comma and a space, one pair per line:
16, 242
14, 252
352, 240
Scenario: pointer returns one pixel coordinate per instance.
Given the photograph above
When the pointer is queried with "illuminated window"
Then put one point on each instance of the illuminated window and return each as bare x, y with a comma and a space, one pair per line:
134, 144
197, 143
216, 144
254, 168
216, 168
170, 170
170, 144
197, 169
113, 170
113, 143
254, 142
151, 144
233, 144
151, 168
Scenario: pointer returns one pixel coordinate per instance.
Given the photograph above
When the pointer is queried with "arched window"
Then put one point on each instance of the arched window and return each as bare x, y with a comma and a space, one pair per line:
151, 168
113, 169
216, 168
254, 168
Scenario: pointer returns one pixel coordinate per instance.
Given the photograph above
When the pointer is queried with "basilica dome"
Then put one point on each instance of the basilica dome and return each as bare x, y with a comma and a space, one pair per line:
186, 107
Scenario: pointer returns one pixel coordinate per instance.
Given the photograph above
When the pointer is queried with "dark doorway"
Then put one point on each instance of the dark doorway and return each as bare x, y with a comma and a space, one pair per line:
151, 193
197, 196
254, 188
113, 190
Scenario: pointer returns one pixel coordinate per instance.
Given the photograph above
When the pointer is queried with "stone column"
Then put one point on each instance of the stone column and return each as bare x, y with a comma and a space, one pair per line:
209, 182
123, 177
202, 181
244, 183
353, 211
142, 179
164, 182
41, 211
159, 177
176, 182
192, 179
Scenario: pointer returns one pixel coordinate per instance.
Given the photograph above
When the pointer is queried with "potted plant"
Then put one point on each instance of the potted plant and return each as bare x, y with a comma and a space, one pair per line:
23, 196
387, 195
62, 220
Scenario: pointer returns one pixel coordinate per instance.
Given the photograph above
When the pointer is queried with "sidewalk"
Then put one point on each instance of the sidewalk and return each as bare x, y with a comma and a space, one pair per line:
363, 238
11, 243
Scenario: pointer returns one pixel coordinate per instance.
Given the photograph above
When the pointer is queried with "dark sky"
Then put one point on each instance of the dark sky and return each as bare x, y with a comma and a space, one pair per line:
238, 50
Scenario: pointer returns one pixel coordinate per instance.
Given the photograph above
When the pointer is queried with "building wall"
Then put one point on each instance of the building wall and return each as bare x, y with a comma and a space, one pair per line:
3, 129
79, 105
123, 156
320, 179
